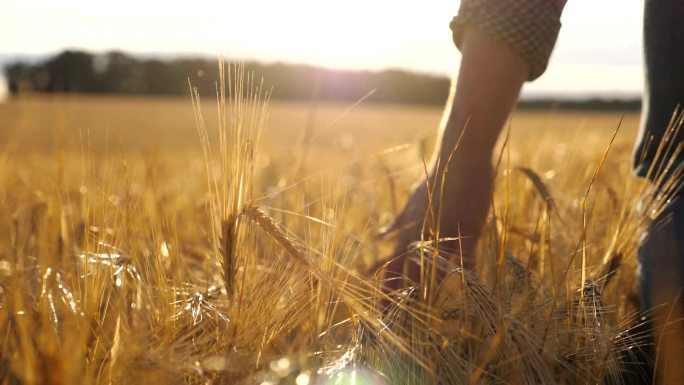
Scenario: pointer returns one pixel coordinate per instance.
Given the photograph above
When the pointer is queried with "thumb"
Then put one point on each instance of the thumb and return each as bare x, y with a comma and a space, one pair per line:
387, 232
392, 230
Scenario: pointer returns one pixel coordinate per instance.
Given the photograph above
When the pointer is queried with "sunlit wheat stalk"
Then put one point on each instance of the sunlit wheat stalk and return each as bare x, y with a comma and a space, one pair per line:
242, 113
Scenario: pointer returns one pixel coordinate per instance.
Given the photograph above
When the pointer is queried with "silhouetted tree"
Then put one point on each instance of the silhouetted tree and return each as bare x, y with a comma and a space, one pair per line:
70, 71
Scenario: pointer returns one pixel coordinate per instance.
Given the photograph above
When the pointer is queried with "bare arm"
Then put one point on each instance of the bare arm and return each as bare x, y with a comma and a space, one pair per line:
487, 87
488, 84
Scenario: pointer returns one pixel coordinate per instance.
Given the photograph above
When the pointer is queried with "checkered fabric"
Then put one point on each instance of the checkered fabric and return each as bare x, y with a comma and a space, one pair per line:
528, 26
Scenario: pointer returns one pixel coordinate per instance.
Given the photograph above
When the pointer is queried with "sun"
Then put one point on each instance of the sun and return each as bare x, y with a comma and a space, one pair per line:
351, 33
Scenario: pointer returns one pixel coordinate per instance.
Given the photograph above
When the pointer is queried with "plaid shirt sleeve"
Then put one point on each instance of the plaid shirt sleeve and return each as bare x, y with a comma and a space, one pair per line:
528, 26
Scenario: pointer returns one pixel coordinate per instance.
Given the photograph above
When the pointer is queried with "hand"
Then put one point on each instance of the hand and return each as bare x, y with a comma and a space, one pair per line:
408, 224
398, 270
458, 230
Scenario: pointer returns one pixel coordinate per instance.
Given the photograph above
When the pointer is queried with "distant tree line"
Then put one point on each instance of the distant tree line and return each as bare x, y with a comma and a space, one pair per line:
589, 104
120, 73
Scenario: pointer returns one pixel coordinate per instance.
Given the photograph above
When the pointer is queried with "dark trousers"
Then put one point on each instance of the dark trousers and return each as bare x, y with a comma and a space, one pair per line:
662, 248
661, 251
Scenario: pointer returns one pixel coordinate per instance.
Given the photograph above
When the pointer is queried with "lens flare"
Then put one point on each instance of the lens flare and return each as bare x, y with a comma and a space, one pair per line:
353, 376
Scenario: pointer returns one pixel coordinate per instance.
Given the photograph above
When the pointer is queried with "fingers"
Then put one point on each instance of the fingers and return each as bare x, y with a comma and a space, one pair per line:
394, 228
406, 226
408, 222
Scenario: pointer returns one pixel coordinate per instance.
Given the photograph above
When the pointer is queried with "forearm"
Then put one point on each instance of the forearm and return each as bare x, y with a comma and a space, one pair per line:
488, 85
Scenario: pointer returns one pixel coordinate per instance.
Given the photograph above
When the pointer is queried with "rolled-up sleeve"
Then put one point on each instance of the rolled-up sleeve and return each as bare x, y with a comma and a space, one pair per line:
529, 26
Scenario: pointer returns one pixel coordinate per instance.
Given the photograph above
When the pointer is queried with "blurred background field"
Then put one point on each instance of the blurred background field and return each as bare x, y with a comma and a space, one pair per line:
340, 138
35, 123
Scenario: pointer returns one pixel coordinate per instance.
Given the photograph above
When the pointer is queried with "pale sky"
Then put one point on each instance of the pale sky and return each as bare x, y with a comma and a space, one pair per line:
598, 51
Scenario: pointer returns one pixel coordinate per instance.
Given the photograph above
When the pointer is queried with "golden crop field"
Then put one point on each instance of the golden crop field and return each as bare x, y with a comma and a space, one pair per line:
134, 247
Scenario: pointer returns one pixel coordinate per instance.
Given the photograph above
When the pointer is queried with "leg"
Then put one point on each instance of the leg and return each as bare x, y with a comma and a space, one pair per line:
661, 252
661, 266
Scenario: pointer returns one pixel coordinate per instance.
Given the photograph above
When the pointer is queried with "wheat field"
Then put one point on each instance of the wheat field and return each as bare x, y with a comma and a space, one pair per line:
186, 241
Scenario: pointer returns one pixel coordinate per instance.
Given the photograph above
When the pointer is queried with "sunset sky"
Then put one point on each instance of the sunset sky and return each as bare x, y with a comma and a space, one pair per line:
598, 52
